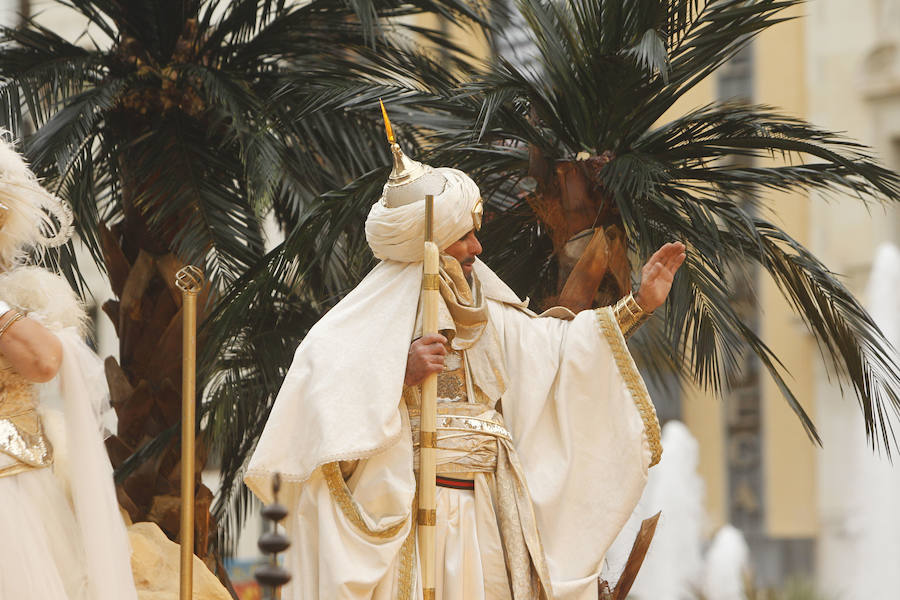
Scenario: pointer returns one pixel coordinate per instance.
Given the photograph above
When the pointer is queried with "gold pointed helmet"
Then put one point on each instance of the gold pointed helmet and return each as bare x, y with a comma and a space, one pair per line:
410, 180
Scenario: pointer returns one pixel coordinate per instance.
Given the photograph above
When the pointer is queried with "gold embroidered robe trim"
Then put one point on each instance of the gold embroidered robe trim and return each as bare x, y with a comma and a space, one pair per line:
340, 493
406, 572
609, 329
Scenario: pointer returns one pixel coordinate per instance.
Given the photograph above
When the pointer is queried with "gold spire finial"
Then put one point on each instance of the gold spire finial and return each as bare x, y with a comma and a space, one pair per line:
409, 180
387, 124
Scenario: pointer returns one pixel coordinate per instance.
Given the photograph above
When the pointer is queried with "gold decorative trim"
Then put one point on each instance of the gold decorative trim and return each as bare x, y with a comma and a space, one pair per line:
462, 423
610, 330
406, 572
431, 281
340, 493
16, 468
427, 593
428, 439
427, 517
478, 214
473, 425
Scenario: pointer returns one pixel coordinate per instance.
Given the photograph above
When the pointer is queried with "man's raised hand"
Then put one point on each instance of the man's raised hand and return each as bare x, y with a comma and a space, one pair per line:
657, 275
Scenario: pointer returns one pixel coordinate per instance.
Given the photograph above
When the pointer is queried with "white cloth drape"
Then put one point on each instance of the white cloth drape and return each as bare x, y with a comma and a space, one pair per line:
75, 548
41, 555
105, 547
572, 406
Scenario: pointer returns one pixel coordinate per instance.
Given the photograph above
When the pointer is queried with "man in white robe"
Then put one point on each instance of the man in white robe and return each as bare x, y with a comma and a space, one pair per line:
545, 427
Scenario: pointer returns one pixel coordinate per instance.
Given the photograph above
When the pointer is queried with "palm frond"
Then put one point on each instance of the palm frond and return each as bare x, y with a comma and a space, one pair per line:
605, 75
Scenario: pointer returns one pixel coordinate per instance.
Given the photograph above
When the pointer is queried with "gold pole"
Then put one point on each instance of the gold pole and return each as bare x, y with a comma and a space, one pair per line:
428, 420
190, 281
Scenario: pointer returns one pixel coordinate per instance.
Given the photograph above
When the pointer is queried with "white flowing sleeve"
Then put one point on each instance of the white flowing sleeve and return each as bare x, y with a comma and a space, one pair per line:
585, 432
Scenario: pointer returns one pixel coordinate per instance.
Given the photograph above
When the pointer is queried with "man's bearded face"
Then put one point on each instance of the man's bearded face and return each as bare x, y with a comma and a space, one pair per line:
465, 249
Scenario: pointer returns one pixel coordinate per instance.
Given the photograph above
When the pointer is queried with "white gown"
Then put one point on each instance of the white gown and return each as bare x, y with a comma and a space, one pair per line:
62, 534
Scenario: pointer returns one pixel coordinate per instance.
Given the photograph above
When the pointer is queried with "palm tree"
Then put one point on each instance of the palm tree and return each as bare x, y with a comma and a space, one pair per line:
577, 141
172, 131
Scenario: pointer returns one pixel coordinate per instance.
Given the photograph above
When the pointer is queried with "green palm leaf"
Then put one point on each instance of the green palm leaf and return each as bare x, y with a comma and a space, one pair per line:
629, 63
180, 127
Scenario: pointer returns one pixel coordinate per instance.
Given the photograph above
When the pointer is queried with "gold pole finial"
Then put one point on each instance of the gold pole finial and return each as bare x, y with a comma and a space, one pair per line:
387, 124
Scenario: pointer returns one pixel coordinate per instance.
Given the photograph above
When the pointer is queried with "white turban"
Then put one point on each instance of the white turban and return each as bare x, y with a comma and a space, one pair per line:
397, 233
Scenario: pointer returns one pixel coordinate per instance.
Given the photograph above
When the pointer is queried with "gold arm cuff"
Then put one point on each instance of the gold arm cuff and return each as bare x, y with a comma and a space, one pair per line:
431, 281
428, 439
428, 594
427, 517
630, 315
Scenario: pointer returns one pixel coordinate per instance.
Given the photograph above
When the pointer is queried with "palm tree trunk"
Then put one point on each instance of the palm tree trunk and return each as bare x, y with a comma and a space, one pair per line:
24, 10
145, 386
586, 229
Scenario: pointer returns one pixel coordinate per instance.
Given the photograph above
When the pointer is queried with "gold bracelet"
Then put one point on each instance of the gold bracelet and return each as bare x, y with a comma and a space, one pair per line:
9, 314
16, 316
630, 315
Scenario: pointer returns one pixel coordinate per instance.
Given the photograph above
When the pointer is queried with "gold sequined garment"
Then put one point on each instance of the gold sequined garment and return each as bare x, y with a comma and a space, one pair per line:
23, 445
451, 382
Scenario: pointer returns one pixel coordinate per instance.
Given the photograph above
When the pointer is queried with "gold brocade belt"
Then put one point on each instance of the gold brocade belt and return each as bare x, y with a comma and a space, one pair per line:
467, 436
23, 445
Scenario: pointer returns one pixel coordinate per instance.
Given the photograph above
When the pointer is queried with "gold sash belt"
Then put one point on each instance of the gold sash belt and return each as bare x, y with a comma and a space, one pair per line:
467, 437
472, 425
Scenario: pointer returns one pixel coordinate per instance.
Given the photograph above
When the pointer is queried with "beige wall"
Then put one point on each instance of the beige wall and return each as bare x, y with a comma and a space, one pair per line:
703, 414
469, 38
789, 461
854, 86
789, 458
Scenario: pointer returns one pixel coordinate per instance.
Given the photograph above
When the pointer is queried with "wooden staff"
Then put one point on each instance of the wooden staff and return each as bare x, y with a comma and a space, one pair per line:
190, 281
428, 420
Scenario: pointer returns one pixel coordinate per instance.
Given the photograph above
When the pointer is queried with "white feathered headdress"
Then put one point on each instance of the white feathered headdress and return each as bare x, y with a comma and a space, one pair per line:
30, 216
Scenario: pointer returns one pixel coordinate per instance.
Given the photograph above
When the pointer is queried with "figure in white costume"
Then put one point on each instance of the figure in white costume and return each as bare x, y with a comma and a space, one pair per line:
545, 429
63, 536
